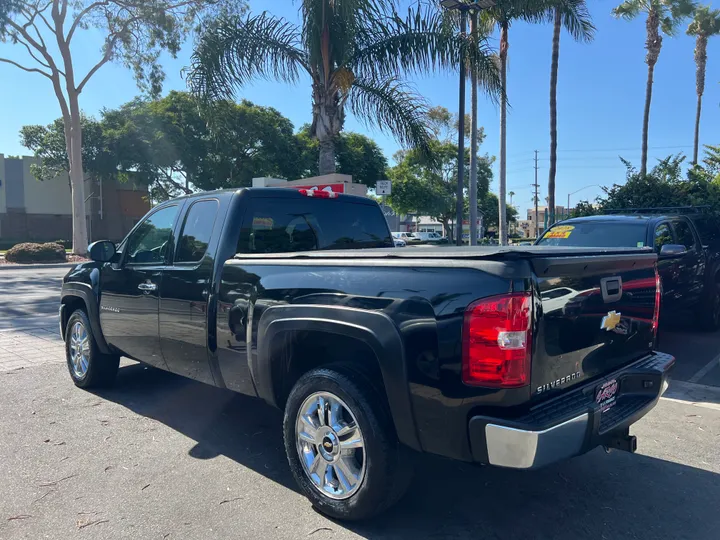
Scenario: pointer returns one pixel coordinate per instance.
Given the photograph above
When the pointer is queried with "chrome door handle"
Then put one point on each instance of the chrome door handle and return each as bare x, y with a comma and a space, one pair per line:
147, 287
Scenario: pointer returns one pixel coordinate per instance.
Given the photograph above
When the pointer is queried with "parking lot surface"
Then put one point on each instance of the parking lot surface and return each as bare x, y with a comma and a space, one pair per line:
159, 456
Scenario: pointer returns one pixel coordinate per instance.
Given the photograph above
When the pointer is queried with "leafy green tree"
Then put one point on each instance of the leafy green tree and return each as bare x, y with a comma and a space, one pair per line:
574, 16
135, 33
354, 51
356, 155
705, 24
662, 15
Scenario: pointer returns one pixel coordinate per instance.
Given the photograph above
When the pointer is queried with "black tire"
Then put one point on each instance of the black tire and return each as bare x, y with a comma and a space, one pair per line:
101, 368
388, 468
709, 313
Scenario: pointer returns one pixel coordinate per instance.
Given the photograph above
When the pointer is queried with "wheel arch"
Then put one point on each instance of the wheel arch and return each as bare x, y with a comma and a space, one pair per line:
276, 335
81, 296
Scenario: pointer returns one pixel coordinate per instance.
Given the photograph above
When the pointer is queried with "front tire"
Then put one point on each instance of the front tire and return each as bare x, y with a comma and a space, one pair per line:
341, 445
89, 368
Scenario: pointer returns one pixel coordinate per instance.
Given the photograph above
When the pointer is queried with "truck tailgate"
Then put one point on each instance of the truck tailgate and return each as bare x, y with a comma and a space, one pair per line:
597, 314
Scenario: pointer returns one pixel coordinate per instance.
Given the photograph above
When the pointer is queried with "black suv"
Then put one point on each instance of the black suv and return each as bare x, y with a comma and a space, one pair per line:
686, 239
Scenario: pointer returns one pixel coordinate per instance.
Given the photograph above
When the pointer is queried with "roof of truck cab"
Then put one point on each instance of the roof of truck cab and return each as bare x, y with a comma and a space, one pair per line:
269, 192
627, 218
448, 252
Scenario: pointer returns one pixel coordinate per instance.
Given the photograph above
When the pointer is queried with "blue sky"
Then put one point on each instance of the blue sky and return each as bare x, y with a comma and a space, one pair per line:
600, 100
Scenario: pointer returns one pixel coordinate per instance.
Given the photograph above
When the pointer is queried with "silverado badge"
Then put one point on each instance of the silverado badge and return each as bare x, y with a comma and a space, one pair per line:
610, 321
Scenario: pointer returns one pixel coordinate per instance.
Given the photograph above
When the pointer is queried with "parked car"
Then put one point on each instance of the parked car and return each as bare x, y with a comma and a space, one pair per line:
372, 353
428, 237
406, 237
687, 244
399, 242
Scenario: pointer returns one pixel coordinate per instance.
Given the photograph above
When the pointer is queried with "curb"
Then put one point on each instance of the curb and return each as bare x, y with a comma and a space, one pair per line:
36, 266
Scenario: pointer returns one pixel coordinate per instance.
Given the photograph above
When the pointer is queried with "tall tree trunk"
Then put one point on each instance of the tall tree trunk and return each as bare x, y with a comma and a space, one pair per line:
700, 62
553, 114
473, 137
327, 156
653, 44
328, 120
77, 179
502, 204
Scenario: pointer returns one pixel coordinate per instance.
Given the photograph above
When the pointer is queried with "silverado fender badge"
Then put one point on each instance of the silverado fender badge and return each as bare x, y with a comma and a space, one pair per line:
108, 308
559, 382
610, 321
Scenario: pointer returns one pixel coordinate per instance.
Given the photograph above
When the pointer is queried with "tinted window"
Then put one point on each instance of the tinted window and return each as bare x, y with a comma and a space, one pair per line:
663, 235
708, 229
286, 225
596, 234
196, 231
684, 234
149, 243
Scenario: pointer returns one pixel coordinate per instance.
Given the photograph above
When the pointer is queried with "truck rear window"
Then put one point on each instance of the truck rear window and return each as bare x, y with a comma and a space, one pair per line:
274, 225
596, 234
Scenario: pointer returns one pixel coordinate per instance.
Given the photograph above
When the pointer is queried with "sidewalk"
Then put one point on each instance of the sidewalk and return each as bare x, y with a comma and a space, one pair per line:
21, 349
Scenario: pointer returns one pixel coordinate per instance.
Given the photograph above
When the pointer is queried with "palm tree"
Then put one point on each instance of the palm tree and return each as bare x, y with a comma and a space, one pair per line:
573, 15
354, 51
502, 15
705, 23
512, 194
663, 15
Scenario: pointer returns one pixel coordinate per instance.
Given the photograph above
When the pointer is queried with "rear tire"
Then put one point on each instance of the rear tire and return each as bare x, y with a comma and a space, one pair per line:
88, 367
709, 314
346, 459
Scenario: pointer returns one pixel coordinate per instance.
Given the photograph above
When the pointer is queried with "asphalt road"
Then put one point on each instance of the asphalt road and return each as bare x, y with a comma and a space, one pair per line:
159, 456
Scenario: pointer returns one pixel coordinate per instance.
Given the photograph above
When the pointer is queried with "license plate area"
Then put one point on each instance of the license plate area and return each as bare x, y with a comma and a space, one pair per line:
606, 394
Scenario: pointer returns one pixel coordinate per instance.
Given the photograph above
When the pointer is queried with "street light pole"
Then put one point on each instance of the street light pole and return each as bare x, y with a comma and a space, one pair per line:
461, 141
578, 191
473, 136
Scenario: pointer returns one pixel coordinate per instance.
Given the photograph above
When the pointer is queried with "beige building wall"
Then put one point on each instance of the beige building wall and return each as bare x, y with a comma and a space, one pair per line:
46, 197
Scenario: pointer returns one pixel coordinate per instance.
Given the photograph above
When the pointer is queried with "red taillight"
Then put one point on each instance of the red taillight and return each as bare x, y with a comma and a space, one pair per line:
318, 193
658, 299
497, 341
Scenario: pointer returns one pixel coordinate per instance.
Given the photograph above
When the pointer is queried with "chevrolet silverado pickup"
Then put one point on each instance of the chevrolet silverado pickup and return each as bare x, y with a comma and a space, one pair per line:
513, 357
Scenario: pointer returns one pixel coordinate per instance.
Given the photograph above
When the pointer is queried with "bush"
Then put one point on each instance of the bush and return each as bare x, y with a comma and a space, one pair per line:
36, 253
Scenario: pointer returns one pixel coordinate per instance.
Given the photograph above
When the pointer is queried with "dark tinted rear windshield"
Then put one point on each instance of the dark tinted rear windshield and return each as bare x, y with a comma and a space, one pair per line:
596, 234
275, 225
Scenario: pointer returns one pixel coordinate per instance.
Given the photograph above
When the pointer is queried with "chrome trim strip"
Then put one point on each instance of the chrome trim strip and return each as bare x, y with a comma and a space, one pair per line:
520, 449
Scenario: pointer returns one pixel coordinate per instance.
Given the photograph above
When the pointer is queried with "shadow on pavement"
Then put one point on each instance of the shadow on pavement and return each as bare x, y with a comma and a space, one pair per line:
596, 496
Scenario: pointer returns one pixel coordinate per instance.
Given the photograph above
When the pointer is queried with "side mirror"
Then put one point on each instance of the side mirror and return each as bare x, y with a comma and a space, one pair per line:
672, 250
102, 251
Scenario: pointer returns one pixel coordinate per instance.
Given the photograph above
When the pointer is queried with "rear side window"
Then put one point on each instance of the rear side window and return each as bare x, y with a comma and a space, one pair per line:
196, 231
684, 234
596, 234
708, 229
286, 225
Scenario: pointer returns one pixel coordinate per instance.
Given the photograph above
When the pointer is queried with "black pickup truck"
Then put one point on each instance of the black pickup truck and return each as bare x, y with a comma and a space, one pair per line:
511, 357
686, 240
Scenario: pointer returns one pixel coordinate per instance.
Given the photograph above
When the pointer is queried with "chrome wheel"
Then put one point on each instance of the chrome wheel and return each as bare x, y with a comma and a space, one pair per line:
330, 445
79, 349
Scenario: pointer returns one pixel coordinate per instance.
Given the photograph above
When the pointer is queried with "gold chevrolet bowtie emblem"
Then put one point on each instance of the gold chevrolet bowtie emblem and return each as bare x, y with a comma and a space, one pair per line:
610, 321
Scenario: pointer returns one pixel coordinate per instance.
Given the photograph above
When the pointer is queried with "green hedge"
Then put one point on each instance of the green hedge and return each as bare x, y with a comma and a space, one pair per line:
36, 253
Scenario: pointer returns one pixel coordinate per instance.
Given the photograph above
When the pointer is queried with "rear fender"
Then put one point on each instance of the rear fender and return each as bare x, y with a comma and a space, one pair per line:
375, 329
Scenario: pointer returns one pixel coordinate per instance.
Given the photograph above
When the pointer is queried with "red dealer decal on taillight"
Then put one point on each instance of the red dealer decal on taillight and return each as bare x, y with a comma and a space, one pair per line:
658, 300
497, 341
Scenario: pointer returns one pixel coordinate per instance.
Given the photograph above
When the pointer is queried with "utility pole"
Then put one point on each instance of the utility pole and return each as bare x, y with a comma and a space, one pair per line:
537, 196
473, 137
459, 205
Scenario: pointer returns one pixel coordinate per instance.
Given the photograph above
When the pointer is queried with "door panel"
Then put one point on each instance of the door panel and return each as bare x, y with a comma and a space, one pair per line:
690, 267
129, 303
667, 268
185, 293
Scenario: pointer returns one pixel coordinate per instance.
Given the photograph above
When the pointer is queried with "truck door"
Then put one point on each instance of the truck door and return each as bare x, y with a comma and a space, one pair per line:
667, 267
185, 292
129, 298
691, 266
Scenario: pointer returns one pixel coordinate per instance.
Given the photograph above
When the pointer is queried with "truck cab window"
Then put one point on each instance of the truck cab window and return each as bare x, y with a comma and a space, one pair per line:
684, 235
149, 243
663, 235
196, 231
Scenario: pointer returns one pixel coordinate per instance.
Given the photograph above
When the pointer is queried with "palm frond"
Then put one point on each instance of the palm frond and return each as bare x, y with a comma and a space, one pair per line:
425, 40
393, 106
628, 10
706, 22
233, 51
576, 19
